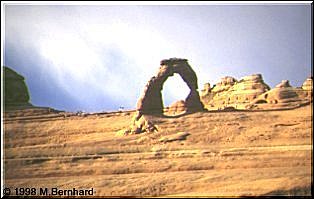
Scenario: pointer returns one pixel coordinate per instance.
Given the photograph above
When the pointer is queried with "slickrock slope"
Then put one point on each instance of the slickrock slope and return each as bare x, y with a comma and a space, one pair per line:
218, 153
198, 153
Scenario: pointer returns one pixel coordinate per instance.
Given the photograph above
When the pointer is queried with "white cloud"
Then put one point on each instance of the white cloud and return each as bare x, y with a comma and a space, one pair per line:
82, 55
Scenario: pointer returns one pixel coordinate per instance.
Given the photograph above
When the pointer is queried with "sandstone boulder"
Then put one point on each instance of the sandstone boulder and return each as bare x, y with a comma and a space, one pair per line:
140, 124
283, 84
177, 108
305, 92
308, 84
175, 137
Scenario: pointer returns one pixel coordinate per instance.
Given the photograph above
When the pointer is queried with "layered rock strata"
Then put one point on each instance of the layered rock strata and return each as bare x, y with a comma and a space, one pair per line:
230, 92
282, 96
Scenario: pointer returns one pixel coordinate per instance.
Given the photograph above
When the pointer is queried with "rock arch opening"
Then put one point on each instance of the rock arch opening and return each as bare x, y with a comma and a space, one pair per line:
174, 89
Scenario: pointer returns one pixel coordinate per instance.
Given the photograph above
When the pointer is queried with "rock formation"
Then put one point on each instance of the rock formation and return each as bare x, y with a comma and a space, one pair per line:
224, 85
175, 137
282, 96
206, 90
306, 89
308, 84
230, 92
15, 90
150, 102
176, 108
283, 84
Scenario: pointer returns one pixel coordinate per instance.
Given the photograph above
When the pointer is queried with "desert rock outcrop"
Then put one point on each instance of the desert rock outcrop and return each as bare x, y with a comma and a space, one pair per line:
224, 85
230, 92
206, 90
16, 93
282, 96
308, 84
283, 84
176, 108
307, 89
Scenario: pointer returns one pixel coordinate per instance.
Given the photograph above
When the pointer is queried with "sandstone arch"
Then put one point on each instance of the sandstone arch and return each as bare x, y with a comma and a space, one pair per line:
151, 102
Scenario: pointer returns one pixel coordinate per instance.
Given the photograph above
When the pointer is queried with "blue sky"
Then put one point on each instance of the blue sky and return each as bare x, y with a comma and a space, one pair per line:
98, 58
